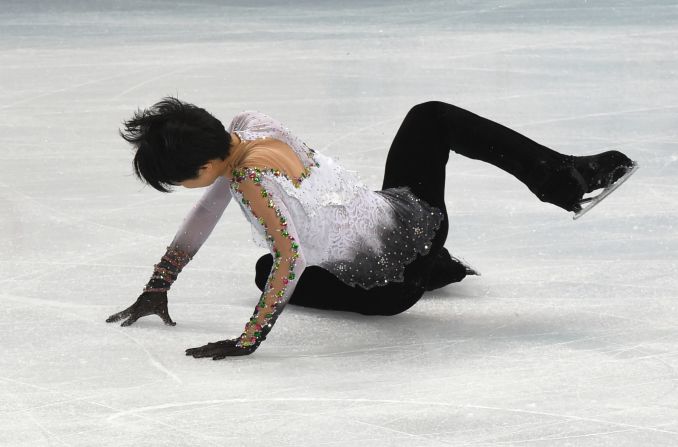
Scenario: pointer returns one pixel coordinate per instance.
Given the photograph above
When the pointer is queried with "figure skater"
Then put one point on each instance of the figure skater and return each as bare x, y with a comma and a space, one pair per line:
334, 243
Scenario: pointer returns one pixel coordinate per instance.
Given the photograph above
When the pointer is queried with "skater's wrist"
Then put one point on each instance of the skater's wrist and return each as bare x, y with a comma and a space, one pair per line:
167, 270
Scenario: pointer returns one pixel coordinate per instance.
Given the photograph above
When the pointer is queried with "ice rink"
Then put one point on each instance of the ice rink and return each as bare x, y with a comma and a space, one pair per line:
570, 337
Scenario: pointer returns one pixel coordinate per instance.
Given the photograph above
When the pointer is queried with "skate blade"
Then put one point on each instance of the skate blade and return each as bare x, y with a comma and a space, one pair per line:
593, 201
470, 270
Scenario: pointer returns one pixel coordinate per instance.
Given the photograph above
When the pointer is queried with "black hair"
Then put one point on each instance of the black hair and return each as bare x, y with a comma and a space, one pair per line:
173, 139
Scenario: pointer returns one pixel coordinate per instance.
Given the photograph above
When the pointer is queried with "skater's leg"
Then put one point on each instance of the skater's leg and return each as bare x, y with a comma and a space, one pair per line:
418, 159
318, 288
430, 130
433, 128
420, 151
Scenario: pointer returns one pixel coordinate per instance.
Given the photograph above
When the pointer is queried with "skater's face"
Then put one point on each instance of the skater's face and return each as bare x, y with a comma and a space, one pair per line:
207, 174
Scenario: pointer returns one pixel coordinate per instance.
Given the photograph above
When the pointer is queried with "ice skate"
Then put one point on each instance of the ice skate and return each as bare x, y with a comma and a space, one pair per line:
567, 185
447, 270
591, 202
606, 171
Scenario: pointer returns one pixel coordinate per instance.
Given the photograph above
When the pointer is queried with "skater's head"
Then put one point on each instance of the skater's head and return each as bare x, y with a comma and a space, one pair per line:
175, 142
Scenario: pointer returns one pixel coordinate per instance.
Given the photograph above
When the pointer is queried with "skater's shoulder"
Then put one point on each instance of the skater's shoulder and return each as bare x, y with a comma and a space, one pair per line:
248, 119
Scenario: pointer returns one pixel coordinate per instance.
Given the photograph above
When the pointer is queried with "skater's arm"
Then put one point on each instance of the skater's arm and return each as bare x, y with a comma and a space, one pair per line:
192, 233
270, 212
203, 217
288, 264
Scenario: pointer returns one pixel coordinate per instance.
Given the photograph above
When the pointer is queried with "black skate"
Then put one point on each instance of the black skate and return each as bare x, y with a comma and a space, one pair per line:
567, 185
447, 270
606, 171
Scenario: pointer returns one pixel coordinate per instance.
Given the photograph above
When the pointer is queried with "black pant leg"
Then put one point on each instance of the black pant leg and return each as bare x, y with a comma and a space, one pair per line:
446, 127
319, 289
420, 151
418, 159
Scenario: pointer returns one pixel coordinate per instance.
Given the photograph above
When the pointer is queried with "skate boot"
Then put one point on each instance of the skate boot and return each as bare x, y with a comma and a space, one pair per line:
576, 176
602, 170
606, 171
446, 270
563, 187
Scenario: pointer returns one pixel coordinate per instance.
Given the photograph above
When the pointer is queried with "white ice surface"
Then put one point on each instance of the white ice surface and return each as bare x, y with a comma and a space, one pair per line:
569, 338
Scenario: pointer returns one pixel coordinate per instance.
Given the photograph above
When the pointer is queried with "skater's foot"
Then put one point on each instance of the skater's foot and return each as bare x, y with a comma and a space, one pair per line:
578, 175
447, 270
602, 170
563, 187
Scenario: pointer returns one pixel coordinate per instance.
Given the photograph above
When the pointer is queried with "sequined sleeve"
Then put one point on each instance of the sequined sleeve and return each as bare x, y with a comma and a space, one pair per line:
266, 206
202, 218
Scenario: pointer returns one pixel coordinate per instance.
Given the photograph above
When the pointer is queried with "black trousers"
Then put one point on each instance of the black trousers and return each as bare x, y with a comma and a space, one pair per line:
418, 158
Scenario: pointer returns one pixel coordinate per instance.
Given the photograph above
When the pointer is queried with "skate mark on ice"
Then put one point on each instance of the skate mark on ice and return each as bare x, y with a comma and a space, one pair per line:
406, 434
662, 197
151, 408
211, 403
559, 438
44, 431
594, 115
69, 218
65, 89
84, 260
349, 134
116, 410
571, 417
149, 80
151, 358
381, 348
62, 308
86, 257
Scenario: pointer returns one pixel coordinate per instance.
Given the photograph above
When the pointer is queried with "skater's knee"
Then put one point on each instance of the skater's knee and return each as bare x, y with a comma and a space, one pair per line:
428, 108
390, 310
395, 305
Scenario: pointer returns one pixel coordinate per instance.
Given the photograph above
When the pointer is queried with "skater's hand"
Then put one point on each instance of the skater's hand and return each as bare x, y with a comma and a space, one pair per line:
221, 350
148, 303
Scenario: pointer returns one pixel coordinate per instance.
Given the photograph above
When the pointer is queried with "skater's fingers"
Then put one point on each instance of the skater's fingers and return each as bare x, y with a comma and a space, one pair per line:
113, 318
192, 351
131, 320
200, 353
166, 319
228, 353
203, 351
119, 316
195, 351
221, 349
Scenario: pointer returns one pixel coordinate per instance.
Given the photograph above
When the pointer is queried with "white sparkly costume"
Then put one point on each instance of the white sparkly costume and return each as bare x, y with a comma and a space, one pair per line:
327, 217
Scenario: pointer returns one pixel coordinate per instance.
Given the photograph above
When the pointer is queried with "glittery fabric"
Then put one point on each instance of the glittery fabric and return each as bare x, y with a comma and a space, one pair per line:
260, 199
408, 233
363, 237
166, 271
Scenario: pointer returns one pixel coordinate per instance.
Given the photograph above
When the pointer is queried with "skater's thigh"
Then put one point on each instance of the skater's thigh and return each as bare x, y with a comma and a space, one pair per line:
316, 287
320, 289
418, 156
